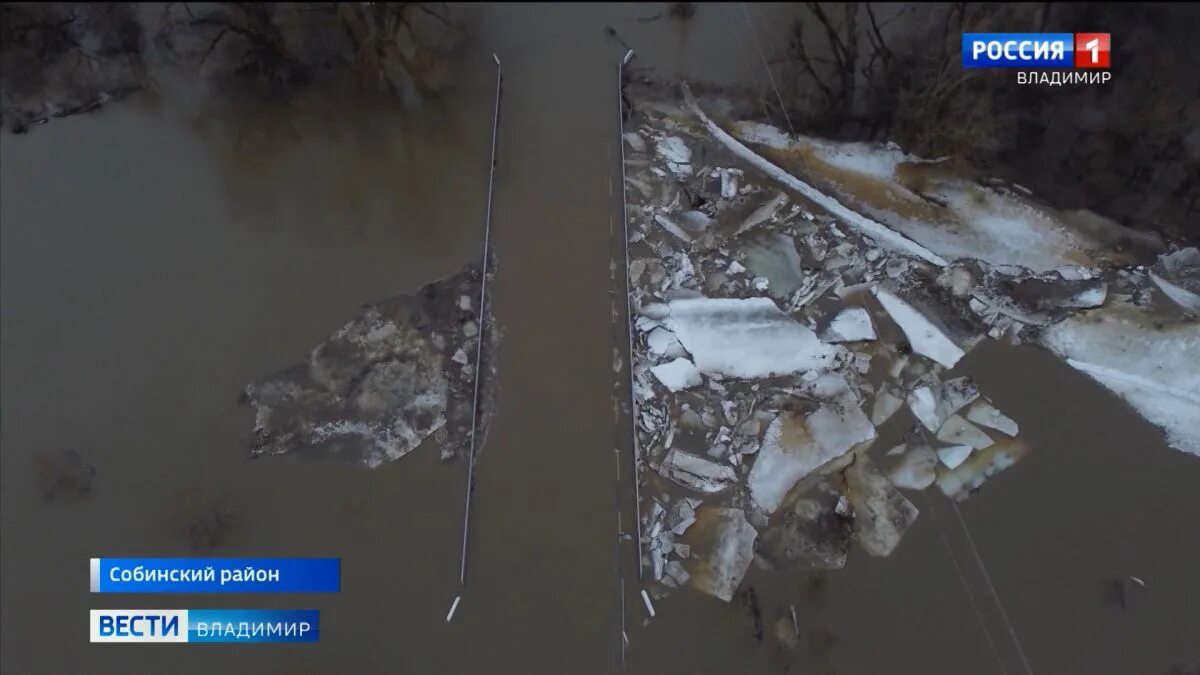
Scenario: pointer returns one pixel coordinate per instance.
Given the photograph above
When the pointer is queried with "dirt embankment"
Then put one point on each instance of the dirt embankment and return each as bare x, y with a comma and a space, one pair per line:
1129, 149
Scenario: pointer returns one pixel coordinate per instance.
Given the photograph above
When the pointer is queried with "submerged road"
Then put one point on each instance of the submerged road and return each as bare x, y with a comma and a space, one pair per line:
543, 523
542, 576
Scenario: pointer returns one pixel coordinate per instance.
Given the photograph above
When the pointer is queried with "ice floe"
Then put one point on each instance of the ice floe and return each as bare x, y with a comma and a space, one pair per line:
985, 414
723, 547
698, 473
677, 375
959, 431
852, 324
952, 456
960, 481
380, 385
809, 535
796, 445
742, 337
881, 514
925, 338
1150, 361
915, 468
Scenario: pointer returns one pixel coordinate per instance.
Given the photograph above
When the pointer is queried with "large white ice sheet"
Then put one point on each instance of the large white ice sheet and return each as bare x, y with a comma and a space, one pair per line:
1150, 362
743, 337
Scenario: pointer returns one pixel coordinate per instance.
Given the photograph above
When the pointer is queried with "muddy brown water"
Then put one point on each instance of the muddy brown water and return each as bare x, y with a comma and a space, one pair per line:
152, 264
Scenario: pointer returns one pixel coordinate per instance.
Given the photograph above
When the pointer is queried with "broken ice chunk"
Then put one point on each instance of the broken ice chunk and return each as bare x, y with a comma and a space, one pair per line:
1181, 296
954, 455
931, 404
958, 483
671, 226
958, 431
677, 375
1092, 296
811, 535
697, 473
682, 515
772, 256
460, 357
725, 548
635, 141
923, 404
915, 470
375, 389
956, 393
1178, 276
729, 184
676, 153
852, 324
743, 337
886, 404
985, 414
694, 221
1150, 360
925, 338
795, 446
662, 342
763, 213
645, 324
674, 571
881, 514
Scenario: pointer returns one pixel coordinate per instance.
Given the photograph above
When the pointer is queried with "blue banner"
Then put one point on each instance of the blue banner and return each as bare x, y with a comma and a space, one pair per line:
204, 625
216, 575
253, 625
1018, 50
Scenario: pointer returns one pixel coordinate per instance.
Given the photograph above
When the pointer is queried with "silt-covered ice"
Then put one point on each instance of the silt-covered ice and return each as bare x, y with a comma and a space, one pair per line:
796, 445
881, 514
724, 548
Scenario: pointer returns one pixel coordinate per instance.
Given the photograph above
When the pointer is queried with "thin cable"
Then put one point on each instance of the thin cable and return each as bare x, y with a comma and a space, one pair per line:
763, 56
487, 236
992, 587
966, 587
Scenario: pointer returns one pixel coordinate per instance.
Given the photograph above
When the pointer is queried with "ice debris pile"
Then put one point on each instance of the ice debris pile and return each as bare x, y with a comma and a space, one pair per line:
781, 323
401, 371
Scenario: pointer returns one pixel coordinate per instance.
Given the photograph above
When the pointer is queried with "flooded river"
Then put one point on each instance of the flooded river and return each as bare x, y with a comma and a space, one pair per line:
157, 256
